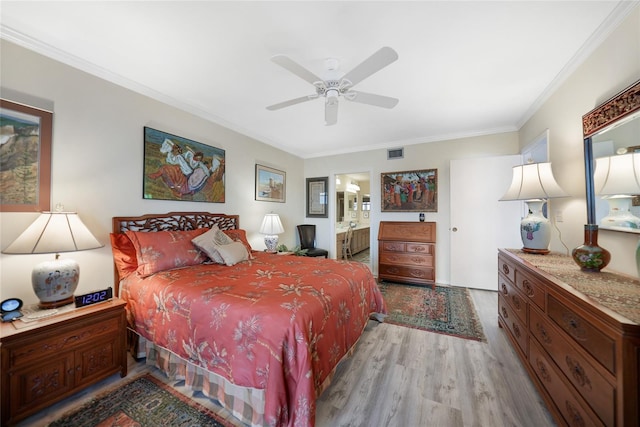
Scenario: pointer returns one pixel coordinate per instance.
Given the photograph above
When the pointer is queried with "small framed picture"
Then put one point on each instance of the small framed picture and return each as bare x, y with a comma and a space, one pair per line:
271, 184
317, 197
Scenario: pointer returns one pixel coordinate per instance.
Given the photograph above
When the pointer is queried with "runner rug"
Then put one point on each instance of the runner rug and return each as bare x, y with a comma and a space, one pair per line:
446, 310
145, 401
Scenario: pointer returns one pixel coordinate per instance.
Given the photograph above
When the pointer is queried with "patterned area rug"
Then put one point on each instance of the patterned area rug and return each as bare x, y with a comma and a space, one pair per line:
145, 401
446, 310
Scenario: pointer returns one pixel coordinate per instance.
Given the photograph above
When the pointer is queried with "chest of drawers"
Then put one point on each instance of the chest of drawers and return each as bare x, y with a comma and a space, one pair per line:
576, 333
55, 357
406, 252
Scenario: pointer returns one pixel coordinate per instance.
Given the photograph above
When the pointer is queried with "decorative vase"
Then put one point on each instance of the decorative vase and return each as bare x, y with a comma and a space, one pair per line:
535, 229
589, 256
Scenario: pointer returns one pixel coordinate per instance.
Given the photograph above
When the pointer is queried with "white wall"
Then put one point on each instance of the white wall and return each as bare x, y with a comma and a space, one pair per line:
97, 161
434, 155
613, 66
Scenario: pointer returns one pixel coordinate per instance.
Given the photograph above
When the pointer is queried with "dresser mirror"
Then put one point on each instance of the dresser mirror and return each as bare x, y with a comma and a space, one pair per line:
612, 131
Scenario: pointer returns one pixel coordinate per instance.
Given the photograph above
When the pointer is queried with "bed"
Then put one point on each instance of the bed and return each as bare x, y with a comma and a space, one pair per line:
260, 333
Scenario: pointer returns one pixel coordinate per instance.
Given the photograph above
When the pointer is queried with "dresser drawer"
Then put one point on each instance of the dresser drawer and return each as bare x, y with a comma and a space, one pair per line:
43, 345
589, 337
420, 248
393, 247
409, 259
533, 289
514, 324
406, 274
507, 268
573, 409
581, 373
513, 298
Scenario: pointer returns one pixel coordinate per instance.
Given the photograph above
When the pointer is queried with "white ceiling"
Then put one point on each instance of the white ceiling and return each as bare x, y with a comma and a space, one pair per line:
464, 68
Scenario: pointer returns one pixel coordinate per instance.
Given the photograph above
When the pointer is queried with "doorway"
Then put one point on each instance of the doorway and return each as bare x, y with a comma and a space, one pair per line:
352, 210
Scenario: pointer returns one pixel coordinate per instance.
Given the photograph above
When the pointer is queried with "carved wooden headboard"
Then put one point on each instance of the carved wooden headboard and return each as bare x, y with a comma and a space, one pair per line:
171, 221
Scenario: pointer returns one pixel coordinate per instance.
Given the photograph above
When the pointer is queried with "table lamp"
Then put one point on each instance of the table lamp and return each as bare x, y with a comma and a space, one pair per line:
271, 227
534, 183
54, 282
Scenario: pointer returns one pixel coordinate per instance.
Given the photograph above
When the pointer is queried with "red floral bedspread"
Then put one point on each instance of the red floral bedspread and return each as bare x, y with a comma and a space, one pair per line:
279, 323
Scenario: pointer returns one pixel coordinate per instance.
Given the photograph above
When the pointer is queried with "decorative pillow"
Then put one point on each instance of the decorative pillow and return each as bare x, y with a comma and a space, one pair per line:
210, 241
239, 235
164, 250
233, 253
124, 254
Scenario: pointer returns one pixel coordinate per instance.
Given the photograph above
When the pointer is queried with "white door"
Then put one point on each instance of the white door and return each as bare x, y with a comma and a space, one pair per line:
480, 224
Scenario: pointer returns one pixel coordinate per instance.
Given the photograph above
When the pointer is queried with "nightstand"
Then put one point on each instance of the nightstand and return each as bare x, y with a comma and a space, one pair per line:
52, 358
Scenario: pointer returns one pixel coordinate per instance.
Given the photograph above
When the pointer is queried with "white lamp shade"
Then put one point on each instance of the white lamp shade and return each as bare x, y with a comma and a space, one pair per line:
618, 175
54, 232
533, 181
271, 224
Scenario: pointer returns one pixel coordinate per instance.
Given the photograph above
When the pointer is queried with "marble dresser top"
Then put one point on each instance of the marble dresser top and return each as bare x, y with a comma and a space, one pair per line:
618, 292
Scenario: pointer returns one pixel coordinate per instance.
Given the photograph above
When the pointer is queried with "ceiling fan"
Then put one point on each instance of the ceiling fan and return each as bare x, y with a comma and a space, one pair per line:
337, 84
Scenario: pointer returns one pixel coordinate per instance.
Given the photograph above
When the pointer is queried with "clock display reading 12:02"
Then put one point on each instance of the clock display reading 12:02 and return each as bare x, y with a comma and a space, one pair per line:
94, 297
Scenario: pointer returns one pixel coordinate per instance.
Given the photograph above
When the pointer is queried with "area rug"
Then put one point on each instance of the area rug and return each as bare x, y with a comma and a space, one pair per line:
145, 401
446, 310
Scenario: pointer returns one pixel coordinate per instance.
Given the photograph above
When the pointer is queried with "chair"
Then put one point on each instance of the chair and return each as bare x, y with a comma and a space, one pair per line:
346, 244
307, 234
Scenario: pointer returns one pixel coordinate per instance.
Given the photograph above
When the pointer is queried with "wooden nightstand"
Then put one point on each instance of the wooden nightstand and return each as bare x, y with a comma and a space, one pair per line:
53, 358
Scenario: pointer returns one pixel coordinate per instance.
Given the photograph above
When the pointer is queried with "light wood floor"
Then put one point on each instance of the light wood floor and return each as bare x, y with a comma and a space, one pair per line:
406, 377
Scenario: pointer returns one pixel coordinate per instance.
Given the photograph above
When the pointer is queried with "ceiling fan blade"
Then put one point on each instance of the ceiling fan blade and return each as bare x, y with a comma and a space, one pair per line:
371, 65
291, 102
297, 69
371, 99
330, 113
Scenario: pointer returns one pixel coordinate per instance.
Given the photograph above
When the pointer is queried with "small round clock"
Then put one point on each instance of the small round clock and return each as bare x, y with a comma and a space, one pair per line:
10, 309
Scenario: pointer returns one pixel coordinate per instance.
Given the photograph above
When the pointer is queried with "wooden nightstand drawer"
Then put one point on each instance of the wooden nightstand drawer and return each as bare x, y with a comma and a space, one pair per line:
394, 246
597, 343
43, 345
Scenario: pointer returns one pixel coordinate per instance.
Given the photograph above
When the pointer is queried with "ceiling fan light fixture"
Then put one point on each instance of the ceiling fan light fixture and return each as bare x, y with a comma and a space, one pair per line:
332, 96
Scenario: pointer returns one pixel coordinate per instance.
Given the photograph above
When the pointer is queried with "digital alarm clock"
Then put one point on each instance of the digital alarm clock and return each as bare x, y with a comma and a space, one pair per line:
94, 297
10, 309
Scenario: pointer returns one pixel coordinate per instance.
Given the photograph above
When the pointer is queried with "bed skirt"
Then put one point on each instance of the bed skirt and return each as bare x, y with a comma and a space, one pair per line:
245, 403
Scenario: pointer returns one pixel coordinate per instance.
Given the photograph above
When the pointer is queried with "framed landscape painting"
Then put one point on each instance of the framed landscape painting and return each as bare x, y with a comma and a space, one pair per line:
410, 191
270, 184
25, 158
177, 168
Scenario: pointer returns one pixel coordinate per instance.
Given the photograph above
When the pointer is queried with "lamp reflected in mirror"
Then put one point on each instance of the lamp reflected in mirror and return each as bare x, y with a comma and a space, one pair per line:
617, 180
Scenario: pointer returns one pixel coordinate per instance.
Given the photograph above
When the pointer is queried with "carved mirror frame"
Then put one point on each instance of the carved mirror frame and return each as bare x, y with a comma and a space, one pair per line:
617, 109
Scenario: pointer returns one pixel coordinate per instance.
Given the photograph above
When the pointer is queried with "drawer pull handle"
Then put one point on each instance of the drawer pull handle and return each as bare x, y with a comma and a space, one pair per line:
575, 419
528, 289
543, 334
505, 291
516, 330
505, 314
542, 368
505, 269
578, 372
574, 326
